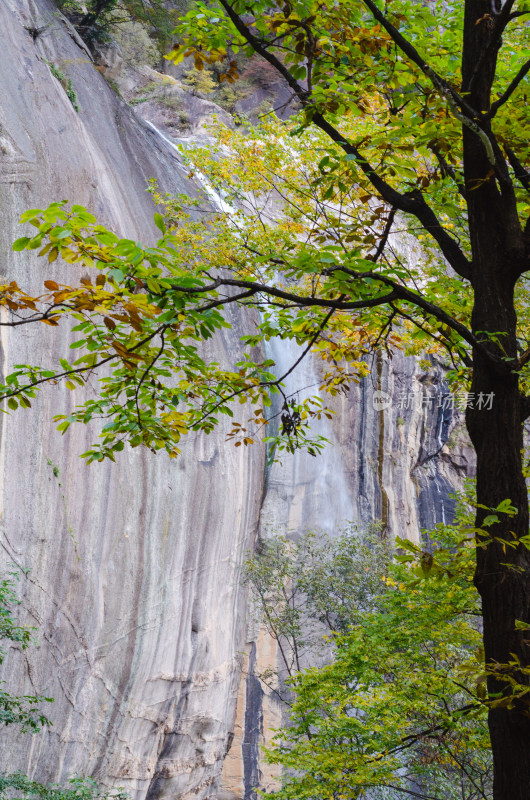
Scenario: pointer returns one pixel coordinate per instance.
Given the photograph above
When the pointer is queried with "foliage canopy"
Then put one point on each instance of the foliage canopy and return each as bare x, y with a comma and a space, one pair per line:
306, 233
399, 708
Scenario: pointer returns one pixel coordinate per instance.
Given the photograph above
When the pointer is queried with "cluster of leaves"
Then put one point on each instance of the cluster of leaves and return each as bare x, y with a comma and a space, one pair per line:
18, 786
348, 58
150, 309
296, 235
144, 332
301, 218
147, 314
23, 711
98, 20
299, 233
400, 708
350, 62
199, 82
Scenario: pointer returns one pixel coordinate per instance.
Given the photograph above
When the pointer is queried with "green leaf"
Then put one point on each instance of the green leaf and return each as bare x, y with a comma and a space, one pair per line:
20, 244
159, 222
30, 214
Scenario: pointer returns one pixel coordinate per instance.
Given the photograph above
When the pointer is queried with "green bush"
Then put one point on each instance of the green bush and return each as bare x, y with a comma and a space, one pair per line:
97, 19
400, 701
135, 43
200, 82
18, 786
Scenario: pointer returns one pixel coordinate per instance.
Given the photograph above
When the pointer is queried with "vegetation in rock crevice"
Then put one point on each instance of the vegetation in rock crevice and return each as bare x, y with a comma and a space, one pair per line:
66, 83
24, 712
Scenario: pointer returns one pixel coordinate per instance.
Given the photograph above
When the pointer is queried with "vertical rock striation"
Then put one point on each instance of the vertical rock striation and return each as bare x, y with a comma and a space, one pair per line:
398, 451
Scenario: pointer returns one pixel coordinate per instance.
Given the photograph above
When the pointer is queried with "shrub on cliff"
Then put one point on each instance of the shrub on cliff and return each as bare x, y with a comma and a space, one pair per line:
24, 712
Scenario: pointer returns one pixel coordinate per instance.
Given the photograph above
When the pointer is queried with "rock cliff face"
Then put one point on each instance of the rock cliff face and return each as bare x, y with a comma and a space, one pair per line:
134, 567
398, 451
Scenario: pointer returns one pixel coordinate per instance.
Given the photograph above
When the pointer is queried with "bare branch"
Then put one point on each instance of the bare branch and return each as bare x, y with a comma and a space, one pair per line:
522, 174
384, 237
509, 91
144, 376
411, 793
447, 169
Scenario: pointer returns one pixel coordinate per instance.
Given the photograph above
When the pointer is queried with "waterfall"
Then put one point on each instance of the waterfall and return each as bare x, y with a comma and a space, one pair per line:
303, 491
215, 197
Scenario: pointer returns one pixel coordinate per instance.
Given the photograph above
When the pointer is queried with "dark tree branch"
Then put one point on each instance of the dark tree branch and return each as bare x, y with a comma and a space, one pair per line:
447, 169
304, 302
464, 770
500, 23
310, 344
144, 376
517, 14
411, 793
522, 174
261, 49
429, 733
398, 293
509, 91
49, 314
411, 203
438, 313
384, 238
277, 382
224, 300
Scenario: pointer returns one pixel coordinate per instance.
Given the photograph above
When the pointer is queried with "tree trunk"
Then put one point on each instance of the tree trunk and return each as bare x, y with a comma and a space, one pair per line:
503, 570
502, 573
